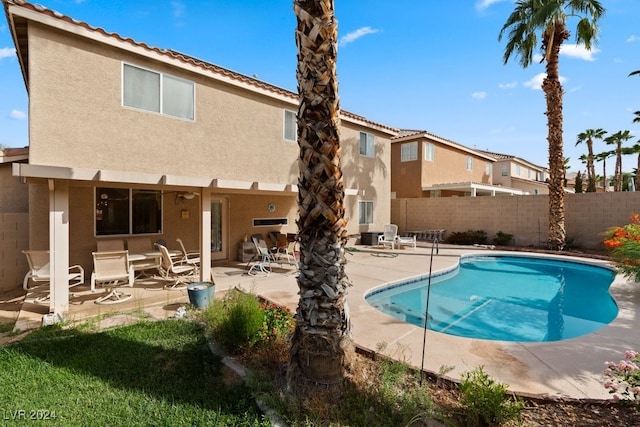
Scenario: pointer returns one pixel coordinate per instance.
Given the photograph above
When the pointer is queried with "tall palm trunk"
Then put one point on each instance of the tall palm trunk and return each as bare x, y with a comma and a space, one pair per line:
321, 348
591, 168
553, 95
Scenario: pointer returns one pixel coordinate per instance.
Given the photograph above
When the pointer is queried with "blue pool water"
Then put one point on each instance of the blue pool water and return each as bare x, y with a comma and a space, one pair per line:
507, 298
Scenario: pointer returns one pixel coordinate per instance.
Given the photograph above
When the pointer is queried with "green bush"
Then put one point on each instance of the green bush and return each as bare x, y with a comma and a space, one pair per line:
469, 237
502, 239
235, 320
486, 401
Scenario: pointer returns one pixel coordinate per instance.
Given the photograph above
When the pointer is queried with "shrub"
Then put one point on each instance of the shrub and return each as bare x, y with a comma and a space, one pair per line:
486, 401
623, 378
502, 239
624, 244
469, 237
241, 320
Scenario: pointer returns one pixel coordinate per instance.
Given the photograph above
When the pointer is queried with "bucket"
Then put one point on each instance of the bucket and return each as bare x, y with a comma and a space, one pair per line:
201, 293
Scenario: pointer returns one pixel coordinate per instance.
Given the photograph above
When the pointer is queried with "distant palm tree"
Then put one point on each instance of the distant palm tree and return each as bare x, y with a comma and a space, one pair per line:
550, 18
322, 350
618, 139
634, 149
602, 157
587, 137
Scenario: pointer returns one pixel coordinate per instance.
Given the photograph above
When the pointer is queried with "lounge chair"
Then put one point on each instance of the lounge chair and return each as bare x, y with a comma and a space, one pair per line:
189, 257
112, 269
177, 272
39, 272
389, 236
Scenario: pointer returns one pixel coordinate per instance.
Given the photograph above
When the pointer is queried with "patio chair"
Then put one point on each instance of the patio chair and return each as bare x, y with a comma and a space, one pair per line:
111, 269
389, 236
289, 253
406, 241
39, 272
106, 245
263, 257
177, 272
189, 257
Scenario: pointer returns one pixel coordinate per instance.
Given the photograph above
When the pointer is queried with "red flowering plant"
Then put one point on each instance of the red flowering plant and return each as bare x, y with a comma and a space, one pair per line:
624, 244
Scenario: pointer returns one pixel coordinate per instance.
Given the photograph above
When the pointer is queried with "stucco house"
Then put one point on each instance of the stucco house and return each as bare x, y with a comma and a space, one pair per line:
127, 139
512, 171
426, 165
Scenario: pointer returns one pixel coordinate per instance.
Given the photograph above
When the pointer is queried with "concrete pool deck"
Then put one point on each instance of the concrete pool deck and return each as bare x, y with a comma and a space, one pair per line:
562, 369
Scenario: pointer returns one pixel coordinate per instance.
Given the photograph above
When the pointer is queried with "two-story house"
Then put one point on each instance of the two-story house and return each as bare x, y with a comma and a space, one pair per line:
127, 139
514, 172
426, 165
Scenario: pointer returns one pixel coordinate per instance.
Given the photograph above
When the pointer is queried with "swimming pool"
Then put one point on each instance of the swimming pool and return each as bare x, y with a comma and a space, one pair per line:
507, 298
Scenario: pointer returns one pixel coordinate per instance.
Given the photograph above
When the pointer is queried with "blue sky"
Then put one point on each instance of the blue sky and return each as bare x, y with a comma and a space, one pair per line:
432, 65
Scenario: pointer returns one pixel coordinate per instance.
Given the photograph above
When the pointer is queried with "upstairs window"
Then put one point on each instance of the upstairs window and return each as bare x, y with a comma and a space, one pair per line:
157, 92
429, 152
367, 144
517, 170
505, 169
409, 152
469, 163
290, 126
488, 168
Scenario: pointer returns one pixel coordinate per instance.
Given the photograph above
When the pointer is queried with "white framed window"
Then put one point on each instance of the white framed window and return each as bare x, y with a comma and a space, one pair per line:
469, 163
429, 152
488, 168
365, 212
517, 170
367, 144
505, 169
290, 126
409, 152
529, 173
157, 92
123, 211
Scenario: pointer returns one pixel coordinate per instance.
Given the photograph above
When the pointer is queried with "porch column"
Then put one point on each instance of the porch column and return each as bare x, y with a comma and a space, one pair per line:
473, 191
205, 235
59, 246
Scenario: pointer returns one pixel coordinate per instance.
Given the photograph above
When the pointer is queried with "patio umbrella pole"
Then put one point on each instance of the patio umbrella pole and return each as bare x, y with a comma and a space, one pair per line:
426, 311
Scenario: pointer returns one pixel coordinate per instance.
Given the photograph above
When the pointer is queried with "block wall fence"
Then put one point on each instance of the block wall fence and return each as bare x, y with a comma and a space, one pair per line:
14, 237
587, 216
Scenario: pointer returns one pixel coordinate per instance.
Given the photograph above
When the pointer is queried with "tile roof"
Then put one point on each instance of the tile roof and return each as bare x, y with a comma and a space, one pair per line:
179, 56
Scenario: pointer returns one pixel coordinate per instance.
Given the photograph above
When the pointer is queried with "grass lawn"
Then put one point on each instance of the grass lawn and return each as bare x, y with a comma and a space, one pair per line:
158, 373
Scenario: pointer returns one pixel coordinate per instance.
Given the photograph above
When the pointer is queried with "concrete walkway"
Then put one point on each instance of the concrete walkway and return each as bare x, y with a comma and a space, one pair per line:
570, 368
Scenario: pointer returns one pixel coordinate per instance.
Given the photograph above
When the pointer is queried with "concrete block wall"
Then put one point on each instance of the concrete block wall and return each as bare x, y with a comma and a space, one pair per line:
14, 237
587, 216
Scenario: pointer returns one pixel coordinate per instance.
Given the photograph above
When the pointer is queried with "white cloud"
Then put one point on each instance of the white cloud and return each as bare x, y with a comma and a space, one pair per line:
578, 51
483, 4
7, 52
535, 82
355, 35
178, 9
537, 58
479, 95
633, 38
18, 115
510, 85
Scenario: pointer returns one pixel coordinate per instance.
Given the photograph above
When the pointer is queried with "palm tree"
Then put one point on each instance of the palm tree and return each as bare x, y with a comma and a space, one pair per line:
587, 137
634, 149
321, 348
550, 18
636, 119
618, 139
602, 157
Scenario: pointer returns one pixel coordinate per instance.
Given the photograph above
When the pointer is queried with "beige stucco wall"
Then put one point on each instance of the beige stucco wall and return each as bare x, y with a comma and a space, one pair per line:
14, 229
587, 216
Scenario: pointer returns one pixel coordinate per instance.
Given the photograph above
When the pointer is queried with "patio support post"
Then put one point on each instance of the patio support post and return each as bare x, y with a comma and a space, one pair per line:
59, 246
205, 235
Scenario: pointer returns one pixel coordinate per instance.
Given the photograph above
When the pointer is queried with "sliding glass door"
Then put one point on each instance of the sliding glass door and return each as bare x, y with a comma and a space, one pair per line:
219, 228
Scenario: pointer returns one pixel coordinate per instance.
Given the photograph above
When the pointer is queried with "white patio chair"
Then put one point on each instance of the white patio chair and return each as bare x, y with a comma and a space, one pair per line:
39, 272
177, 272
189, 257
389, 236
111, 269
263, 258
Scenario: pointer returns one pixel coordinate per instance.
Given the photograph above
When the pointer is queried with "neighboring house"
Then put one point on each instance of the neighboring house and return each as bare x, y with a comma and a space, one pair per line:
127, 139
514, 172
14, 219
426, 165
